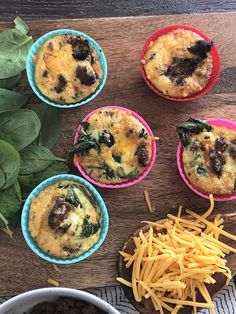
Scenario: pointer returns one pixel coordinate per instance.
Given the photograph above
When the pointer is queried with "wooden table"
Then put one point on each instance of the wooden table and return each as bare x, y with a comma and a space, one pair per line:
57, 9
21, 270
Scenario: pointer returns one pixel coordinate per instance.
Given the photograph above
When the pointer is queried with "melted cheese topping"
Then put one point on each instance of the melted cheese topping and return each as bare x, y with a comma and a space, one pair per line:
207, 181
121, 161
162, 53
60, 241
54, 59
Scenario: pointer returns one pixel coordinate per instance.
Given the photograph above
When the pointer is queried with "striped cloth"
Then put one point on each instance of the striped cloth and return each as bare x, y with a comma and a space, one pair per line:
225, 301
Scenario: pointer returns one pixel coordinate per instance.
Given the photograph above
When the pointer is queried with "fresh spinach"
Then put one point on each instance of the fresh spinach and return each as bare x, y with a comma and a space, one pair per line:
14, 48
21, 25
35, 159
10, 205
27, 184
5, 138
21, 126
10, 82
10, 100
88, 229
2, 178
56, 167
9, 163
50, 131
191, 126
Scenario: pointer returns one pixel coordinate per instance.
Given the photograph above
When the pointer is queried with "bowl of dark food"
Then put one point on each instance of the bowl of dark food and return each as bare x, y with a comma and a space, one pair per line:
55, 301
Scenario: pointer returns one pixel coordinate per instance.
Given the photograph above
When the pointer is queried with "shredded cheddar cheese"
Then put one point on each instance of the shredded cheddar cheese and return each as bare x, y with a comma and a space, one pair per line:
56, 268
175, 258
148, 201
53, 282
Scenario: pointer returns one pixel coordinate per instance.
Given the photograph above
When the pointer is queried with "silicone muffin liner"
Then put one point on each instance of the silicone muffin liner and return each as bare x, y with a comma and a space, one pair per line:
214, 122
30, 66
25, 220
128, 182
215, 59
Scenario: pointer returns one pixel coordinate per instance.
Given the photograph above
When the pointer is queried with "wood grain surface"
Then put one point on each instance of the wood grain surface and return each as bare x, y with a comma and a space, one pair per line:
122, 40
56, 9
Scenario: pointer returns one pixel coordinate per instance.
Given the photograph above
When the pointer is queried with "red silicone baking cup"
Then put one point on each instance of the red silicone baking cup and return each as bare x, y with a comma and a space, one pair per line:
128, 182
215, 122
215, 59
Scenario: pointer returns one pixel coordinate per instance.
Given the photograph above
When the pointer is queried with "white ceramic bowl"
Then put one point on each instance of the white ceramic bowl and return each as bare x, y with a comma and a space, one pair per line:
25, 301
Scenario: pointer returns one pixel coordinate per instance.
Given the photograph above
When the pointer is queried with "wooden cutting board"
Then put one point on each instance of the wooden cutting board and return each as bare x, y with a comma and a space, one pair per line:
122, 40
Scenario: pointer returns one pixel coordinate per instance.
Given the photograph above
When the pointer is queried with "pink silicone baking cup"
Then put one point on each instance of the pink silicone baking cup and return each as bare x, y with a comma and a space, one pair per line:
128, 182
215, 122
215, 59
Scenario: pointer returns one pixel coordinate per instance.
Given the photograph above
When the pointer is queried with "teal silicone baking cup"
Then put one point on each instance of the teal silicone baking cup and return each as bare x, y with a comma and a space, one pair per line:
30, 66
25, 219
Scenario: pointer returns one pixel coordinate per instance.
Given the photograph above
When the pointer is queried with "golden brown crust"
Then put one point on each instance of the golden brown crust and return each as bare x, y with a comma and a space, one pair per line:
127, 154
198, 164
67, 69
59, 227
173, 68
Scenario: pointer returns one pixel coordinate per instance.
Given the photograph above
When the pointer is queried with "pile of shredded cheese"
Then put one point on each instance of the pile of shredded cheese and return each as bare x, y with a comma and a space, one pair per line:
176, 258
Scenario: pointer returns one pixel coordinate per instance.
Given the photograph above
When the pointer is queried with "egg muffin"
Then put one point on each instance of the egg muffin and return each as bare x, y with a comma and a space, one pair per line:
67, 69
65, 220
209, 156
113, 146
179, 63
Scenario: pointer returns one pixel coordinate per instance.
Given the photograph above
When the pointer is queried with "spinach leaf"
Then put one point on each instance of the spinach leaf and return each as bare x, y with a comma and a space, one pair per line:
191, 126
10, 100
131, 175
35, 159
21, 25
14, 47
10, 82
88, 195
72, 197
84, 144
106, 138
21, 126
50, 131
5, 138
56, 167
27, 184
10, 204
9, 163
88, 229
71, 250
2, 178
202, 171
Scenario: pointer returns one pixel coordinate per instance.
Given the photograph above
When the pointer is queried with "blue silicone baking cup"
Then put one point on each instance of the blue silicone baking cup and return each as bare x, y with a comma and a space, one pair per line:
30, 66
25, 219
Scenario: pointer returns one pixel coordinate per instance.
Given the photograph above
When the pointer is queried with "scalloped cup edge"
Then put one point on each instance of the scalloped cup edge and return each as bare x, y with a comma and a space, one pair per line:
128, 182
30, 67
25, 220
215, 70
217, 122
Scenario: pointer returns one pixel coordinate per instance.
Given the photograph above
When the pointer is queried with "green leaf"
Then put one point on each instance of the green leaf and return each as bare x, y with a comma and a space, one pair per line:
130, 175
21, 25
14, 48
191, 126
9, 163
10, 205
5, 138
10, 100
50, 131
21, 126
35, 159
56, 167
10, 82
2, 178
27, 184
202, 171
88, 229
